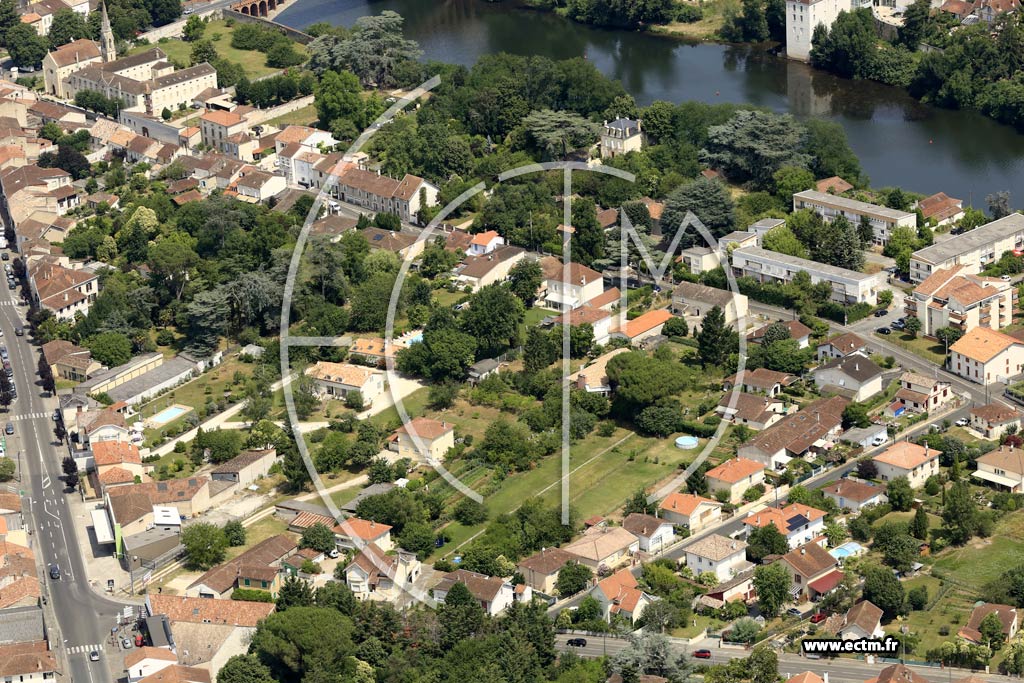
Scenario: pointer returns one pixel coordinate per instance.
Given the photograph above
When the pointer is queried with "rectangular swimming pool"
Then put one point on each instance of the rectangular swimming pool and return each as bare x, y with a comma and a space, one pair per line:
169, 414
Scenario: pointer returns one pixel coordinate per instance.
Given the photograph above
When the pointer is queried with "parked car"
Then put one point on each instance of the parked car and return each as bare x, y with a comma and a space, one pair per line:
56, 415
332, 553
139, 640
5, 256
818, 617
94, 656
19, 331
881, 313
702, 654
878, 441
9, 429
883, 330
576, 642
794, 612
1005, 278
962, 422
54, 572
126, 643
899, 324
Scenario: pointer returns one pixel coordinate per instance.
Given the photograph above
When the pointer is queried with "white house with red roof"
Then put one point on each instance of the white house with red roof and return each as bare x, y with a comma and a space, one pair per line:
690, 511
910, 460
734, 477
484, 243
338, 380
620, 594
354, 533
799, 523
422, 438
569, 286
645, 326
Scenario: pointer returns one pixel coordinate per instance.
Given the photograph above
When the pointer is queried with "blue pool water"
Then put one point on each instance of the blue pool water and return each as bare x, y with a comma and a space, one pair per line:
168, 414
416, 339
686, 442
846, 550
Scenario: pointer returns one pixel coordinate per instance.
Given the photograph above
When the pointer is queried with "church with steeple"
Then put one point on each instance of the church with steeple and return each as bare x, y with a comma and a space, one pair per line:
145, 82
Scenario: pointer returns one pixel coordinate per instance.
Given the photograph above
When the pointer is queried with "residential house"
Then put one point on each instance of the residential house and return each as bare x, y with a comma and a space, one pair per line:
739, 587
799, 523
949, 297
62, 291
797, 331
974, 249
68, 361
941, 208
177, 673
256, 186
476, 272
217, 125
833, 185
806, 433
812, 571
117, 463
494, 594
422, 438
910, 460
690, 511
734, 477
247, 467
484, 243
1003, 467
699, 259
899, 673
722, 556
761, 380
372, 573
922, 394
644, 327
862, 621
93, 426
992, 420
882, 219
990, 10
569, 286
540, 570
984, 356
621, 136
146, 660
841, 345
854, 495
258, 568
600, 321
406, 245
693, 301
338, 380
802, 17
482, 369
373, 191
594, 377
206, 632
848, 286
1007, 617
753, 410
855, 377
353, 533
654, 534
28, 662
620, 595
604, 547
372, 350
19, 580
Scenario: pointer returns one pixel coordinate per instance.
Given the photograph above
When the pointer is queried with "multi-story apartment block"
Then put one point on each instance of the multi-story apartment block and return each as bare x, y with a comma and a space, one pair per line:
973, 250
883, 220
848, 286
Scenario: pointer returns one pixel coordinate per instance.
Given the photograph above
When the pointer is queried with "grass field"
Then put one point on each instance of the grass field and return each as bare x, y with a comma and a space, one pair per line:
305, 116
929, 349
984, 560
219, 33
705, 29
951, 611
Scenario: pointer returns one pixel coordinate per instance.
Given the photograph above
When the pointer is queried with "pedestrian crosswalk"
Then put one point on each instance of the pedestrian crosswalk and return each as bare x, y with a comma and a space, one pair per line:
29, 416
79, 649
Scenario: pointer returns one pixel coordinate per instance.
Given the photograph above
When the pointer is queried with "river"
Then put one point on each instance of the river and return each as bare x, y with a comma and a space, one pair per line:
899, 140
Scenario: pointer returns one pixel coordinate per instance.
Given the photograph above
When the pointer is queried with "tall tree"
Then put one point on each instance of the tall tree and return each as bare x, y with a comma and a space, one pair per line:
884, 590
772, 584
960, 513
710, 203
588, 238
753, 145
373, 50
460, 616
716, 340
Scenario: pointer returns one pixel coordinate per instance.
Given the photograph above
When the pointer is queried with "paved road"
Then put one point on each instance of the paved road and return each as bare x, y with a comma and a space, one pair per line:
83, 618
839, 670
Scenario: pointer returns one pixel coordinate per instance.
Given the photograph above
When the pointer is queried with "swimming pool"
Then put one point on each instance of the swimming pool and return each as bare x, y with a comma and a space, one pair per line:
168, 414
686, 442
416, 339
846, 550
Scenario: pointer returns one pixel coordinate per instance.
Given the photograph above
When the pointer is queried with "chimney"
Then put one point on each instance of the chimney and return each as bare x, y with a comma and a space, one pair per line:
803, 551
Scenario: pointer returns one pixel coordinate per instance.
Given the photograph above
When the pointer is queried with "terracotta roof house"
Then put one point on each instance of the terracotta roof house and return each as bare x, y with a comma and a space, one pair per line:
68, 361
954, 297
763, 380
262, 561
812, 571
338, 380
992, 420
810, 431
653, 533
494, 594
424, 439
645, 326
799, 523
941, 208
376, 574
855, 495
1007, 617
805, 677
540, 570
27, 661
841, 345
476, 272
179, 608
897, 673
863, 620
833, 185
753, 410
604, 547
593, 378
620, 594
910, 460
734, 477
1003, 467
354, 533
177, 673
143, 661
797, 330
690, 511
984, 355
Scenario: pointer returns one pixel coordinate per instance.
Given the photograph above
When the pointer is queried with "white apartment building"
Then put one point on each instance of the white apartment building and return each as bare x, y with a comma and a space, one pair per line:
984, 356
801, 18
950, 298
973, 250
829, 206
848, 286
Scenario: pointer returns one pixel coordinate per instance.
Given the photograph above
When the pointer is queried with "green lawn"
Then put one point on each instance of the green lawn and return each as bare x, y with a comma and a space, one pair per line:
697, 624
950, 612
306, 116
257, 532
219, 33
984, 560
929, 349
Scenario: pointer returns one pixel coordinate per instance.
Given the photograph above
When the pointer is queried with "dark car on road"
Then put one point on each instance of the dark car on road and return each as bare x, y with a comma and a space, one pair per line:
702, 654
881, 313
54, 572
9, 429
576, 642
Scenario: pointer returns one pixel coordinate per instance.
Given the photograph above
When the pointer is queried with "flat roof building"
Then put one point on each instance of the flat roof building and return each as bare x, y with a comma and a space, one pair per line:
973, 250
848, 286
883, 220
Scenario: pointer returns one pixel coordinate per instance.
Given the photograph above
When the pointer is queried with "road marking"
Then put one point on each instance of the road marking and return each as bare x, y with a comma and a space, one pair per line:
46, 484
79, 649
29, 416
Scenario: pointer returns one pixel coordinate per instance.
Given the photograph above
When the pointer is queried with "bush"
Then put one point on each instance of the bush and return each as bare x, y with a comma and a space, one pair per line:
165, 338
251, 595
469, 512
689, 14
